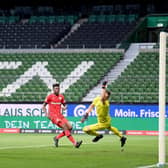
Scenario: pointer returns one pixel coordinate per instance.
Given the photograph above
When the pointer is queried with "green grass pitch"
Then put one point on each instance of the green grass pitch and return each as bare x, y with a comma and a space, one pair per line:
37, 151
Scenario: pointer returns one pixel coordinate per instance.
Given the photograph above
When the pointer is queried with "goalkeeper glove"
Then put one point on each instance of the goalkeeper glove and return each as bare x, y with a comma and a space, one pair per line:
104, 85
84, 117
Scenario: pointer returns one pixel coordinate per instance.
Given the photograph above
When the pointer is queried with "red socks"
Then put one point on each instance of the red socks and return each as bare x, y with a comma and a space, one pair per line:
60, 135
69, 136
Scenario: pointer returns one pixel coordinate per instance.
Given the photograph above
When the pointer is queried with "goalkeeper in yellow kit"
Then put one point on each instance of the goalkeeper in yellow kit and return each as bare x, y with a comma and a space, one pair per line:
102, 105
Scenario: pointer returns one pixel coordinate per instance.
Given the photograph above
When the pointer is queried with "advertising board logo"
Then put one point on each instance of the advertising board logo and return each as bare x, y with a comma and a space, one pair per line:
79, 111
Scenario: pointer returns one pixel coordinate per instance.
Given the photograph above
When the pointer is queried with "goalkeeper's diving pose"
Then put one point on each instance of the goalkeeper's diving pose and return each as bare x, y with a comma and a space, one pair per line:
104, 121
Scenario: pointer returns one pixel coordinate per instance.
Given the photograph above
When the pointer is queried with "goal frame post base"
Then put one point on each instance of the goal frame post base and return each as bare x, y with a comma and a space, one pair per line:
158, 165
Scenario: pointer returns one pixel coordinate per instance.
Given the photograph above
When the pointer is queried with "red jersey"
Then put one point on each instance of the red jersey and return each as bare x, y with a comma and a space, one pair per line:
54, 104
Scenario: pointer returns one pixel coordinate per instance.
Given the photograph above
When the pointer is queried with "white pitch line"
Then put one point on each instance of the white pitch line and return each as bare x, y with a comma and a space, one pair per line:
35, 146
20, 147
150, 166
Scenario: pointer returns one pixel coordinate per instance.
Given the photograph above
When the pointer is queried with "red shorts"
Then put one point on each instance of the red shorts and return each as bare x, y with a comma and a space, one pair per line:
59, 121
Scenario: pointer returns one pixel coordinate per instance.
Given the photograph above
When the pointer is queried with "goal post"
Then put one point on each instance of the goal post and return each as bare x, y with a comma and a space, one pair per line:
162, 104
162, 99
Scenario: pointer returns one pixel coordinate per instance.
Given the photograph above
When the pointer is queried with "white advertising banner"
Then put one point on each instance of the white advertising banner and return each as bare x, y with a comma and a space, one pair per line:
21, 110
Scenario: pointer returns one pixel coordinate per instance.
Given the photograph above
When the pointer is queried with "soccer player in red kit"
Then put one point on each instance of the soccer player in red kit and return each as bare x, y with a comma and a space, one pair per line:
56, 103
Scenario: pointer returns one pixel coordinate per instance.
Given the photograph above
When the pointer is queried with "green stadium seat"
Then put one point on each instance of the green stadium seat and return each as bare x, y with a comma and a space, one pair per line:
51, 19
60, 19
131, 18
3, 19
36, 90
140, 80
70, 19
13, 19
120, 18
33, 19
92, 18
110, 18
42, 19
101, 18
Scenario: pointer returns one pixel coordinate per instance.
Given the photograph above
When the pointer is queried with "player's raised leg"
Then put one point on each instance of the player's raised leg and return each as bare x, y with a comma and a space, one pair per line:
67, 129
91, 130
117, 132
123, 141
56, 138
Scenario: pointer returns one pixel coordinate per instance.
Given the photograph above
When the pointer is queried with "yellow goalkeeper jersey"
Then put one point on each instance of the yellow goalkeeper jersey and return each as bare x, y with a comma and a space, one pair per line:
102, 109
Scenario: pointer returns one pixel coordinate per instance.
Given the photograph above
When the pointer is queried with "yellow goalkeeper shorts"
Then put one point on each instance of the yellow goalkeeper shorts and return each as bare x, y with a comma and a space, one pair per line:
98, 126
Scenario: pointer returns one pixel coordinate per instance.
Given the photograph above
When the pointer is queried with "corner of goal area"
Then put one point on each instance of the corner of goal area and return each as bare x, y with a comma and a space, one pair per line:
155, 166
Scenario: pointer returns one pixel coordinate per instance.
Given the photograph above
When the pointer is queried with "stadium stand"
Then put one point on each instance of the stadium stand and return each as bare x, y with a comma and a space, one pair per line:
106, 27
139, 82
9, 19
35, 32
116, 9
71, 19
31, 35
101, 31
122, 18
29, 76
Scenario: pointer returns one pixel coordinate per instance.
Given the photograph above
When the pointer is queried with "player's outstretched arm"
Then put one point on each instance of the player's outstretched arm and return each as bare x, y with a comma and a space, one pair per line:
90, 108
64, 106
44, 109
104, 86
